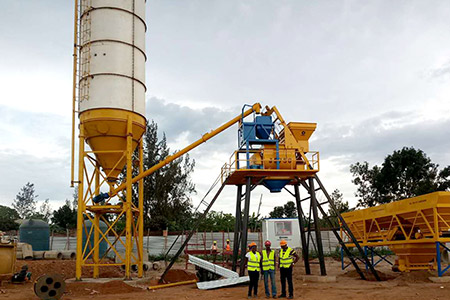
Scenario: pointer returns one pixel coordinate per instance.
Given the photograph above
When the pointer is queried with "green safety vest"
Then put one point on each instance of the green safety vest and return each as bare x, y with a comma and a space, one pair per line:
286, 259
253, 262
268, 263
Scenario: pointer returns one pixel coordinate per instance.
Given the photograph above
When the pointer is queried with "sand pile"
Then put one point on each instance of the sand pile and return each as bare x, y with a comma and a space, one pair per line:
177, 275
108, 288
66, 268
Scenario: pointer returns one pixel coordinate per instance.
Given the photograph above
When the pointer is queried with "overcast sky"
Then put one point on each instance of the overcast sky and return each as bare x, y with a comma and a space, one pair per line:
374, 75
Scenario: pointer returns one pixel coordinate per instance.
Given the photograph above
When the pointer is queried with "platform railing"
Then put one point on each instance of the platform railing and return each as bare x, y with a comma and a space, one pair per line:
236, 163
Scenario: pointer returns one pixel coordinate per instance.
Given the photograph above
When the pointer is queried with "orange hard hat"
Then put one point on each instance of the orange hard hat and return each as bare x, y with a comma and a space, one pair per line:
283, 243
267, 243
252, 244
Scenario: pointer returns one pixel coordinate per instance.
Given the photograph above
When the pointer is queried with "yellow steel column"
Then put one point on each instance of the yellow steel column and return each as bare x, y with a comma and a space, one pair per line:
141, 211
81, 205
436, 224
129, 199
96, 224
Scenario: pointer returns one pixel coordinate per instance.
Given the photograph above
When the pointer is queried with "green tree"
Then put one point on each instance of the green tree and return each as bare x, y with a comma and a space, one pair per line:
277, 212
288, 210
405, 173
167, 192
341, 206
8, 216
255, 222
45, 211
65, 217
25, 202
215, 221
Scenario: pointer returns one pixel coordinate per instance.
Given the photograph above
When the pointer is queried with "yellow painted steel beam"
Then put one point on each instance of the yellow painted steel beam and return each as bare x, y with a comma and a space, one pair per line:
81, 205
255, 108
129, 200
390, 243
96, 223
141, 212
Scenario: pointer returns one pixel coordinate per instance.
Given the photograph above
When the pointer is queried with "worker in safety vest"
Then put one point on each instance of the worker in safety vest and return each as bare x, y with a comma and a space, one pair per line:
226, 254
228, 247
287, 259
268, 269
214, 251
253, 259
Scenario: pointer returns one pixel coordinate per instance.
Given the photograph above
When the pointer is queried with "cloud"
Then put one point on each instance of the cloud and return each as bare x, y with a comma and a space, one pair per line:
440, 72
35, 148
340, 145
357, 70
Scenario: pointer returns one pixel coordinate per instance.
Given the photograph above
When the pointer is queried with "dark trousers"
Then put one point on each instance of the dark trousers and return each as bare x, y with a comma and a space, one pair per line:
286, 273
254, 278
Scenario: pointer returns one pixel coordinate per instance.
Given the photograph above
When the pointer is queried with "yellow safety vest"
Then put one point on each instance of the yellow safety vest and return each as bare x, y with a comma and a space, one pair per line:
286, 259
268, 263
253, 262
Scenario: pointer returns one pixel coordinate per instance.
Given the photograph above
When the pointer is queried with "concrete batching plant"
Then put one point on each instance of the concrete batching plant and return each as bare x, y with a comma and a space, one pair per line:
109, 88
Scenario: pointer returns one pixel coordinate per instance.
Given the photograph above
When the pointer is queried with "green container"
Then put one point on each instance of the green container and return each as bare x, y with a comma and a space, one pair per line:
103, 243
36, 233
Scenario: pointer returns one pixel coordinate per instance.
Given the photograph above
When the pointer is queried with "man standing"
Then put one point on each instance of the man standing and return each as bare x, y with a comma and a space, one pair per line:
214, 251
253, 267
287, 259
268, 269
228, 247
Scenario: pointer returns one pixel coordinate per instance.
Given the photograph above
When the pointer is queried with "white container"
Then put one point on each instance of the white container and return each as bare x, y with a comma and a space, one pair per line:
112, 55
276, 230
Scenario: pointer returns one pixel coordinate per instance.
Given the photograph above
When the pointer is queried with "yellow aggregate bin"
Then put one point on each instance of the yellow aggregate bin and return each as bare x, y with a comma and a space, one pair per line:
7, 258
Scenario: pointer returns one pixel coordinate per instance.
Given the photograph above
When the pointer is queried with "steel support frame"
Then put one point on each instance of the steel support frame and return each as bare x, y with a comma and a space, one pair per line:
305, 250
312, 193
191, 233
440, 269
373, 254
311, 190
244, 229
348, 232
237, 227
90, 181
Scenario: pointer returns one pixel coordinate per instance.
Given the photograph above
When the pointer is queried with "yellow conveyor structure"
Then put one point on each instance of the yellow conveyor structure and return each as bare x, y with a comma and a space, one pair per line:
415, 229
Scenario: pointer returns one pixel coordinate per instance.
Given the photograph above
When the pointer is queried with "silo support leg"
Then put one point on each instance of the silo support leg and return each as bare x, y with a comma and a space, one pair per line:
96, 224
141, 213
128, 202
96, 245
81, 204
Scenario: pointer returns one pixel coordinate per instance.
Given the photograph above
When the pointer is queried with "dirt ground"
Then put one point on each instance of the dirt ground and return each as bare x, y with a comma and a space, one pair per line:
414, 285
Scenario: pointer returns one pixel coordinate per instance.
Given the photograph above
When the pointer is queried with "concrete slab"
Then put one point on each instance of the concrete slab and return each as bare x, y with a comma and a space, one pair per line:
317, 278
444, 279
